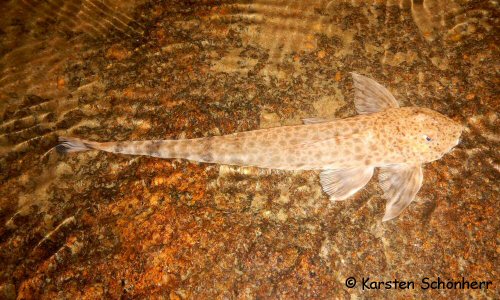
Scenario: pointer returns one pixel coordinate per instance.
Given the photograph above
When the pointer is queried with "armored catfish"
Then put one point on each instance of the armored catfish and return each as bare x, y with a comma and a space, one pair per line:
398, 140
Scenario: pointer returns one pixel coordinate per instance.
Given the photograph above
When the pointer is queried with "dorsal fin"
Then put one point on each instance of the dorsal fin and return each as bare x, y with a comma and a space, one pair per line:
370, 96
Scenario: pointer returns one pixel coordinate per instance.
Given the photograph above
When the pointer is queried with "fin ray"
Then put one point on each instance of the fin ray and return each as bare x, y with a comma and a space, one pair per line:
400, 183
314, 120
370, 96
71, 144
342, 183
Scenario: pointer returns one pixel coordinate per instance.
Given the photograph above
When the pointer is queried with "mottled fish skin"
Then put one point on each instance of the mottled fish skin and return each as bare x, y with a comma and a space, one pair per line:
398, 140
389, 137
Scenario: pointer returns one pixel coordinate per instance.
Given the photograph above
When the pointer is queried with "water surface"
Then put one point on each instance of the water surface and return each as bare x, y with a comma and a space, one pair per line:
95, 225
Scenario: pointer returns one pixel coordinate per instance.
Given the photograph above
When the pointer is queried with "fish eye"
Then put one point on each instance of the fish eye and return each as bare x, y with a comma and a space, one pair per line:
427, 138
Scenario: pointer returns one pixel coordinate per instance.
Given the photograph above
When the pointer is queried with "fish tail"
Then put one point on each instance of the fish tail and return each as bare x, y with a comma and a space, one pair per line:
157, 148
71, 144
195, 149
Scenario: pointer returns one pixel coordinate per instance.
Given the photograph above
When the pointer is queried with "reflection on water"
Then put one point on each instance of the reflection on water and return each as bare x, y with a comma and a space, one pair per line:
116, 70
38, 40
285, 27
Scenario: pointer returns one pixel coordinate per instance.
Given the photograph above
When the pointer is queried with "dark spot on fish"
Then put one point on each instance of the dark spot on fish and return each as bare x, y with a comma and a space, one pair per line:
207, 157
267, 143
88, 145
209, 145
153, 148
155, 153
118, 147
237, 161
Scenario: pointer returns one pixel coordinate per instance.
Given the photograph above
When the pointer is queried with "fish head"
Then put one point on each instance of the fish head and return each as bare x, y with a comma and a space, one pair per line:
430, 134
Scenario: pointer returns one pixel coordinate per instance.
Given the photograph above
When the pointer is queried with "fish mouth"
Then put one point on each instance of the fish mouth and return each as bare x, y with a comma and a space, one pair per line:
458, 145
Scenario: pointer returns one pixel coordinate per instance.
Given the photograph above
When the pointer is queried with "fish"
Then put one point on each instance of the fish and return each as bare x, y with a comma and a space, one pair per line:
396, 140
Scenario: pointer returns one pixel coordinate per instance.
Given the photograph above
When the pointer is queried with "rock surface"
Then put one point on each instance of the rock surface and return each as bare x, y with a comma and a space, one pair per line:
99, 225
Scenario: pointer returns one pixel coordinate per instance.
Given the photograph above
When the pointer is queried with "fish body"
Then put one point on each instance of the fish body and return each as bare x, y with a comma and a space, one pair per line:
395, 139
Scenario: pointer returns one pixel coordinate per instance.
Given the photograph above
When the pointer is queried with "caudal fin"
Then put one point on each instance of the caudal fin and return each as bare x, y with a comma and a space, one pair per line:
70, 144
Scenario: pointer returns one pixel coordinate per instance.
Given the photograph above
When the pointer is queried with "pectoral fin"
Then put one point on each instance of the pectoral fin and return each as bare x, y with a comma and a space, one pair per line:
343, 183
400, 184
370, 96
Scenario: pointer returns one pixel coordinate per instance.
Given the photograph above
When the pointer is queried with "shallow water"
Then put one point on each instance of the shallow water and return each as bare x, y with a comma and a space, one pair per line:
98, 225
